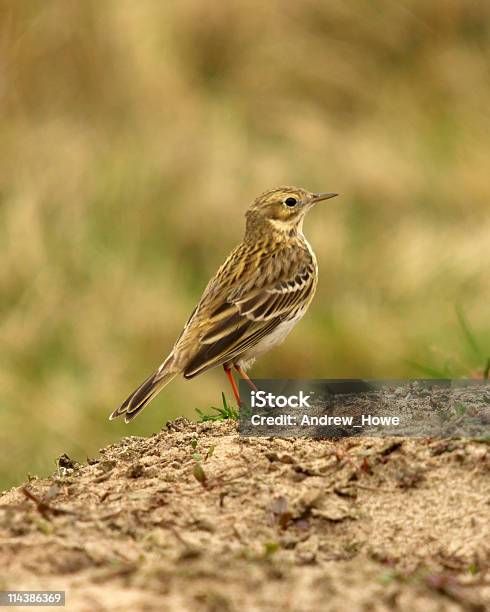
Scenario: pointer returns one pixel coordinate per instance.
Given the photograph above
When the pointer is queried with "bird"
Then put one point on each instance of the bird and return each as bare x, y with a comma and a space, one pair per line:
254, 300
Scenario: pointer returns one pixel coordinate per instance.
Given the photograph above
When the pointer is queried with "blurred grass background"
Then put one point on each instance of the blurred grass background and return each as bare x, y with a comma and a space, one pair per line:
133, 136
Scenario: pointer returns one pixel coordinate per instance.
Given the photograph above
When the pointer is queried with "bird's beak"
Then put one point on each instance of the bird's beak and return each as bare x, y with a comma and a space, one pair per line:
319, 197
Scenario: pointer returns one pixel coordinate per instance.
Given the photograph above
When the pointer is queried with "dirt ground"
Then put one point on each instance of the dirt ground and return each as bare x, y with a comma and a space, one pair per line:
197, 518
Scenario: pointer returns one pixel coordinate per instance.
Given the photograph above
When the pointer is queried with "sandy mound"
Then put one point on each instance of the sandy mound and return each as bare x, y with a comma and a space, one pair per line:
197, 518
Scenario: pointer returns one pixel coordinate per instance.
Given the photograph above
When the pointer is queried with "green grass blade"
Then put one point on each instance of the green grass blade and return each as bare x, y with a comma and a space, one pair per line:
469, 334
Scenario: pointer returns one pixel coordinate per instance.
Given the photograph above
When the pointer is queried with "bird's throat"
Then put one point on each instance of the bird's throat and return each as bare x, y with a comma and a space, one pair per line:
286, 227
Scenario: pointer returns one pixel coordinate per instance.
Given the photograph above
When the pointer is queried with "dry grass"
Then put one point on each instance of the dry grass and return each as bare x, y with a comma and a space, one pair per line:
133, 137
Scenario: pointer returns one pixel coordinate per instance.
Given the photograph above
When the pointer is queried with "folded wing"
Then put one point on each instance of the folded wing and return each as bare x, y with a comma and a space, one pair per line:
238, 319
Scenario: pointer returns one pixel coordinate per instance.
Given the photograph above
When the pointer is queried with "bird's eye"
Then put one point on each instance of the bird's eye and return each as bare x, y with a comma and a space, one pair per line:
290, 202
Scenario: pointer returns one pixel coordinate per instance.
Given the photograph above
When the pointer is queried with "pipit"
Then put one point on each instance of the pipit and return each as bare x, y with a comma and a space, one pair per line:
252, 302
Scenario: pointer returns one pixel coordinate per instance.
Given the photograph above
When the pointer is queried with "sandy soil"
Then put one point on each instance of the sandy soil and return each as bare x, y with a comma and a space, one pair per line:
197, 518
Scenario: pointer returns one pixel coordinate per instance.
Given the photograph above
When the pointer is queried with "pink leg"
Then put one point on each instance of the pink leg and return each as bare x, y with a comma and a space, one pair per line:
232, 383
246, 377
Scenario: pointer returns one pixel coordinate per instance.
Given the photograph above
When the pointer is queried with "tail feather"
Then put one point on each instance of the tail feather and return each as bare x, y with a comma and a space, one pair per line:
135, 403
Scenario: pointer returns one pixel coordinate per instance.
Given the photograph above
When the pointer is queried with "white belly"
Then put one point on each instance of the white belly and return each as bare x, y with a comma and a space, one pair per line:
268, 342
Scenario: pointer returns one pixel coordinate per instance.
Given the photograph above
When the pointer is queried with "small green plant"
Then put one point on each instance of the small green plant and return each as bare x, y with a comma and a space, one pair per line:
486, 370
198, 470
444, 372
389, 577
222, 414
270, 548
210, 452
473, 568
461, 409
199, 473
477, 363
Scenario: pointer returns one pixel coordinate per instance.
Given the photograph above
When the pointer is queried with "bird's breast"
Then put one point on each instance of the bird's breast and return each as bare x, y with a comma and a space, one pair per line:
271, 340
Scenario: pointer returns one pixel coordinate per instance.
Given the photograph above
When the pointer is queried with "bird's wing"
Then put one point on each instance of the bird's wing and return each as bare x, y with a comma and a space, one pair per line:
250, 295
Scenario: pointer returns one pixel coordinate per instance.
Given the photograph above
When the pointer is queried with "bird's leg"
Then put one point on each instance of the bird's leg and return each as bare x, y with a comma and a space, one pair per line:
233, 384
246, 377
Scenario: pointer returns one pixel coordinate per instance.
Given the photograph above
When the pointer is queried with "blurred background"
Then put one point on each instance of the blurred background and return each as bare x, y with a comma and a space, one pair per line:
133, 135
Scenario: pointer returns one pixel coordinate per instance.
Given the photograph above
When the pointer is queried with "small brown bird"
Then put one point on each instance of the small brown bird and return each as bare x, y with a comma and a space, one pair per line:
253, 301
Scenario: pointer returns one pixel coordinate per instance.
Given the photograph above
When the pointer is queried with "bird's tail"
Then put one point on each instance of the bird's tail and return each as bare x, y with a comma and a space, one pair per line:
145, 393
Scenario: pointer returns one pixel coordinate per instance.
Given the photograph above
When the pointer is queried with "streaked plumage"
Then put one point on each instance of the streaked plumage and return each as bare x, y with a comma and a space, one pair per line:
255, 298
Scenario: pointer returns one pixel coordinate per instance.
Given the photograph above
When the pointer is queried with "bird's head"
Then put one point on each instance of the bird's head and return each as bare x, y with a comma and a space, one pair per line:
283, 209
